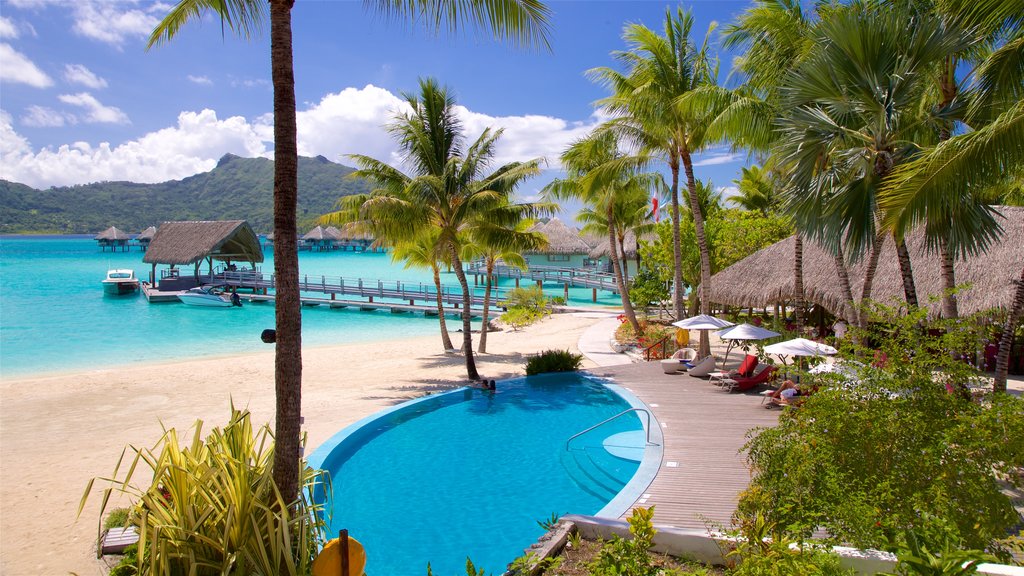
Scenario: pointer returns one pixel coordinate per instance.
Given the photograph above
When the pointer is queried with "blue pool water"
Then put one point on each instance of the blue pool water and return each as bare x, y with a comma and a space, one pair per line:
54, 315
470, 473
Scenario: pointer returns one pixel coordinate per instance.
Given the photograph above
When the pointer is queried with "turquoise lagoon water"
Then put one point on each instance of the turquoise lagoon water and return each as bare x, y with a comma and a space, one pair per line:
54, 315
470, 473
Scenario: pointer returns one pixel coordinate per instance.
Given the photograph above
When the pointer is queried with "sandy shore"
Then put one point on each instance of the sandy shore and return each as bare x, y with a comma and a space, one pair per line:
57, 432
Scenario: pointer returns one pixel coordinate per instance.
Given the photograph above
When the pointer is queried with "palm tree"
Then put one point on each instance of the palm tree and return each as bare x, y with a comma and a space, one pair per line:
757, 191
596, 175
425, 252
631, 213
504, 239
448, 191
853, 115
660, 69
522, 21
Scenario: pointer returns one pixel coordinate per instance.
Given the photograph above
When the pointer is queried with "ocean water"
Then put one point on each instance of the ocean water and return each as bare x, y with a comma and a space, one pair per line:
54, 315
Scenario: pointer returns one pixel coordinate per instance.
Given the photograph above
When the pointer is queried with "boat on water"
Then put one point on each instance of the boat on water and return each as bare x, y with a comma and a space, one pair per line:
209, 296
120, 282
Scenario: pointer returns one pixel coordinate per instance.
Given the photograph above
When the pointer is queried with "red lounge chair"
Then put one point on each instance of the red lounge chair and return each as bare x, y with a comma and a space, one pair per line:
747, 367
741, 384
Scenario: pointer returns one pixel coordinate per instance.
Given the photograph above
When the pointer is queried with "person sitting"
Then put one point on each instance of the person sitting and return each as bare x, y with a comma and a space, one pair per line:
784, 395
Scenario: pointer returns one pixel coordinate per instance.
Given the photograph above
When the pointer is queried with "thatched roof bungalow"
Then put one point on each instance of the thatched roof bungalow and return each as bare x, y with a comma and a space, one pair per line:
184, 243
321, 238
766, 277
145, 237
112, 238
565, 245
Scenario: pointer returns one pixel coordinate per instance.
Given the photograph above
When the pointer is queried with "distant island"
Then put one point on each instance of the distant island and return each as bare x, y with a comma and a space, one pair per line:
237, 188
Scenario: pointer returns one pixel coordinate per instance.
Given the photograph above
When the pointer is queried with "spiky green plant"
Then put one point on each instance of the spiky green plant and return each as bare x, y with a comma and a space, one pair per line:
211, 506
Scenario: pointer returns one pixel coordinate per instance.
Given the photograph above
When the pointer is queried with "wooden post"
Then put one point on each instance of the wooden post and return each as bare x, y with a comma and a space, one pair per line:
333, 295
517, 282
343, 543
540, 283
594, 294
567, 293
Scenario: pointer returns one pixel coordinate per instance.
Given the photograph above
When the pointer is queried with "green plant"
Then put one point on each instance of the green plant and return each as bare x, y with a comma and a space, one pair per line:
470, 569
116, 518
935, 551
648, 287
212, 505
556, 301
629, 557
128, 563
865, 460
549, 523
553, 361
530, 297
575, 538
762, 549
528, 563
520, 317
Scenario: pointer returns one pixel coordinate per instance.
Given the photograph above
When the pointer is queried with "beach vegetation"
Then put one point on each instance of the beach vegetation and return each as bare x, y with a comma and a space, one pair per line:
117, 518
209, 503
452, 191
596, 175
898, 445
424, 251
524, 306
128, 565
660, 69
553, 361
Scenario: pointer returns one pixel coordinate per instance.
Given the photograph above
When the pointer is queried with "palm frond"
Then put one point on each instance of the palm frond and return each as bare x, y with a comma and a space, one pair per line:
243, 17
524, 22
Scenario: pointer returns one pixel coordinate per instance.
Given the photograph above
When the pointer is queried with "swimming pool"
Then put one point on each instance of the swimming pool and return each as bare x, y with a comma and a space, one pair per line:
469, 472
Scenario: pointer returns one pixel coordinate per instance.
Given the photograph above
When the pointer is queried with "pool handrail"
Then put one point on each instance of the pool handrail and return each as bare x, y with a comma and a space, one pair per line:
647, 428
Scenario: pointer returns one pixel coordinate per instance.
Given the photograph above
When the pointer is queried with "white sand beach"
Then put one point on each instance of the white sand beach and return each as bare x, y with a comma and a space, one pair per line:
57, 432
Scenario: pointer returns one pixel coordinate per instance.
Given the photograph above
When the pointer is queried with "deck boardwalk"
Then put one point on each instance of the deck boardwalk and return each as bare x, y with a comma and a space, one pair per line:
703, 471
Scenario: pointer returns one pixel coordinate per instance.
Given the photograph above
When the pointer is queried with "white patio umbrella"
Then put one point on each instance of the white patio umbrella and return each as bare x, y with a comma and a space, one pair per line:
799, 347
702, 322
743, 332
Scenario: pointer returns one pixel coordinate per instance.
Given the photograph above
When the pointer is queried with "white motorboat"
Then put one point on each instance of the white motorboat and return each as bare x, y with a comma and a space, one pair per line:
120, 282
207, 296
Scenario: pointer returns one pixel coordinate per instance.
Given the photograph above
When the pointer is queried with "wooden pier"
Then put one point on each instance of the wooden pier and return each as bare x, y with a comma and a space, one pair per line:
568, 277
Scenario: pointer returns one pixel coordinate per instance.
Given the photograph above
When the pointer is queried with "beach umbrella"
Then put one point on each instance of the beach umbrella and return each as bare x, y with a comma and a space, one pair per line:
798, 348
742, 332
702, 322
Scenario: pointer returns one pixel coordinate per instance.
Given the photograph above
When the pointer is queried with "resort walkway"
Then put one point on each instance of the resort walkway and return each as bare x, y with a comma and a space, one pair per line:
595, 342
702, 471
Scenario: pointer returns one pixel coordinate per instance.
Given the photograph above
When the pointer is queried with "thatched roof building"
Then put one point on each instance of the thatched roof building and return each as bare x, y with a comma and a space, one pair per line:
112, 238
147, 234
181, 243
600, 249
321, 234
766, 277
561, 238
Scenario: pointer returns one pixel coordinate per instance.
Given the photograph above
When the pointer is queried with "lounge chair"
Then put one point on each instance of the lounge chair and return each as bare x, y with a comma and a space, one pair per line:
741, 384
704, 368
680, 361
747, 367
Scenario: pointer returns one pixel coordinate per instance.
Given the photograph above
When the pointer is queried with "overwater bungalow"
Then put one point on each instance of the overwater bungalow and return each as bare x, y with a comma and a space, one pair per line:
566, 247
353, 240
193, 243
321, 239
144, 237
112, 238
600, 254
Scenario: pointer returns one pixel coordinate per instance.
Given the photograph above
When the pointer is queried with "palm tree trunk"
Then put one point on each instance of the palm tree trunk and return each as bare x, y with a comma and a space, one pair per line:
849, 307
613, 254
907, 272
798, 277
487, 305
869, 279
623, 261
705, 256
949, 307
1013, 319
467, 335
677, 251
287, 308
446, 340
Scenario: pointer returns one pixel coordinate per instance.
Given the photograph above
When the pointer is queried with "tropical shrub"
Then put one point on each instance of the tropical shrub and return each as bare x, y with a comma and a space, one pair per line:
129, 562
763, 550
116, 518
897, 446
553, 361
648, 287
211, 506
524, 306
629, 557
520, 317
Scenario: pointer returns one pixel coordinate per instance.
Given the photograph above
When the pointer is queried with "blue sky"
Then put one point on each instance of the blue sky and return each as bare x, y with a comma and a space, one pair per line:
81, 100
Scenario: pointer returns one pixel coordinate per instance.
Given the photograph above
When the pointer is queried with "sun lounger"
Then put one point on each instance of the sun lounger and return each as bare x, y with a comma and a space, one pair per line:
704, 368
741, 384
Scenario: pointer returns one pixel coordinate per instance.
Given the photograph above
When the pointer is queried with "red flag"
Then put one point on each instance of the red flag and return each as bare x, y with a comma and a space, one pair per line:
654, 210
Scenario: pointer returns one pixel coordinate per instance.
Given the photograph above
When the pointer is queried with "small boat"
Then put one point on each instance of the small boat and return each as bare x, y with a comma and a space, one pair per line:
207, 296
120, 282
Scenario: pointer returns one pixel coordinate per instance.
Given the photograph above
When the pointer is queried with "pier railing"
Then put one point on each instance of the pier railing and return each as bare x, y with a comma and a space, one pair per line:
363, 287
575, 277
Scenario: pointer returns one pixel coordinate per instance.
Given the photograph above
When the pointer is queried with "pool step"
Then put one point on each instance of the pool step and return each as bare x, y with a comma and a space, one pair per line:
589, 475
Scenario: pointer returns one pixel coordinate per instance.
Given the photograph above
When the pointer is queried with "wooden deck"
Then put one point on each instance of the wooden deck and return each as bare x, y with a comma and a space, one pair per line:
703, 471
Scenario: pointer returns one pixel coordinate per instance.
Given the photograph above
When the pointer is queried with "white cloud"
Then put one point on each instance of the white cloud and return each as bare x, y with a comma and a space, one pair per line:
95, 112
7, 28
200, 80
348, 122
18, 68
727, 192
113, 22
43, 117
250, 83
190, 147
79, 74
717, 159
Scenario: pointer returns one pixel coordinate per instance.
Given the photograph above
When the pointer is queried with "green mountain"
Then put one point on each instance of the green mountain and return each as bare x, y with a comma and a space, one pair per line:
237, 189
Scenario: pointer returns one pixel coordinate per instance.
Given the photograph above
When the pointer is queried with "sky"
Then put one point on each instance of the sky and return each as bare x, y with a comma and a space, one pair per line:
82, 100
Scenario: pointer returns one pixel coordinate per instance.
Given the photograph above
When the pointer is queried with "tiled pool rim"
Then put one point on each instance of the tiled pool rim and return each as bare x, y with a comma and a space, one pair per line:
634, 489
